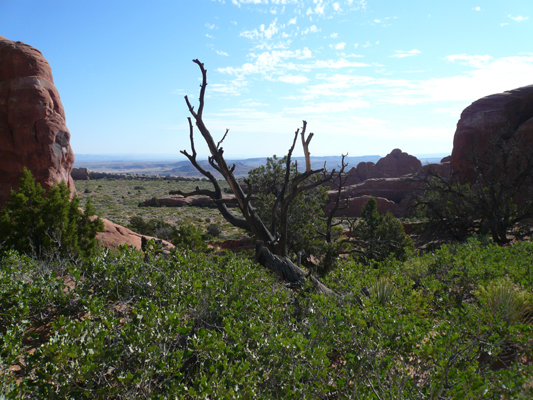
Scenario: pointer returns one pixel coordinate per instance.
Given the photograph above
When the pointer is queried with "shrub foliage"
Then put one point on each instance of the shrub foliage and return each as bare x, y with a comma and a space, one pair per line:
36, 222
195, 326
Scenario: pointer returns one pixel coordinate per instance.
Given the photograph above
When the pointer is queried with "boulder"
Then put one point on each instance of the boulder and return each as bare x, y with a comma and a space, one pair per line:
33, 132
80, 174
503, 116
115, 235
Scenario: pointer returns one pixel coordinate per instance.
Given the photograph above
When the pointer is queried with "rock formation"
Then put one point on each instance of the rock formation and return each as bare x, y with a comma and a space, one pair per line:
115, 235
80, 174
507, 116
33, 132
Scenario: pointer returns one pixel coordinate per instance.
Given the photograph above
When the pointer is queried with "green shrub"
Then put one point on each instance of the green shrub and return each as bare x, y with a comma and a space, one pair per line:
34, 222
381, 236
190, 237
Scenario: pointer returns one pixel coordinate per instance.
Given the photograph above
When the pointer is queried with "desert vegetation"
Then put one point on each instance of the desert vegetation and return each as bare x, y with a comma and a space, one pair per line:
323, 308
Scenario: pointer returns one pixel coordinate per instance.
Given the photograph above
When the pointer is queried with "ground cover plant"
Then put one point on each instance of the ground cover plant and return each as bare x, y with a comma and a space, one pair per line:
192, 325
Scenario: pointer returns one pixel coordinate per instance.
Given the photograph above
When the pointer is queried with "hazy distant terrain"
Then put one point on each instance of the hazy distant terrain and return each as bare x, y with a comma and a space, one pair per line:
142, 164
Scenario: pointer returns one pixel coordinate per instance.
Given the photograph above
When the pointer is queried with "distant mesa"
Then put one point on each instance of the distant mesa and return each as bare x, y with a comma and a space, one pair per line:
33, 131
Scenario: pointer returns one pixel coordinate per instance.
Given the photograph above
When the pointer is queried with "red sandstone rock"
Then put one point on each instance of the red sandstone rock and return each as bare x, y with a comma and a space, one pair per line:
356, 204
443, 169
397, 164
33, 132
505, 115
115, 235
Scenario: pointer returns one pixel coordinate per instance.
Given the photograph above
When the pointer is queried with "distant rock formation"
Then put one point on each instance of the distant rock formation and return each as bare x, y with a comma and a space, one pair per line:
505, 115
387, 181
33, 132
193, 201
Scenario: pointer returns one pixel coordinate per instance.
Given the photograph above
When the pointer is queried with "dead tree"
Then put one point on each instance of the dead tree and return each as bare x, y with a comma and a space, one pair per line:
271, 249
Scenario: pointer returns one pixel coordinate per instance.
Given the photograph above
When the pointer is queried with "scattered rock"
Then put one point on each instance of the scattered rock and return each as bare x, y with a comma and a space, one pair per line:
33, 131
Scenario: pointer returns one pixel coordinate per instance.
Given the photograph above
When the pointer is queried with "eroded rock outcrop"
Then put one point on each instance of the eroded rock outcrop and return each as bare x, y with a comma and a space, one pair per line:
33, 131
115, 235
506, 116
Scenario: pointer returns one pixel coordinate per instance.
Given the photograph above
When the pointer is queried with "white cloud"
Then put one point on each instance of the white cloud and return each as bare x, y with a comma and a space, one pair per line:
334, 35
293, 21
504, 24
312, 8
327, 107
476, 8
334, 64
222, 53
210, 26
262, 33
312, 29
474, 61
519, 18
403, 54
338, 46
296, 79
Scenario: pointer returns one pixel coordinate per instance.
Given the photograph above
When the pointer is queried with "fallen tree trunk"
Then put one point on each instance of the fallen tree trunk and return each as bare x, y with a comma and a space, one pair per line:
286, 270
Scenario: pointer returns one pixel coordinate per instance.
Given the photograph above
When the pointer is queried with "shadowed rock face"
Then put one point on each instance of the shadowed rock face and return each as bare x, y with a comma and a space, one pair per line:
33, 131
507, 115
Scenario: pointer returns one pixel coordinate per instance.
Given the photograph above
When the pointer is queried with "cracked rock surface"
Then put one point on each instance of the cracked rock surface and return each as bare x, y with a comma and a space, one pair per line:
33, 131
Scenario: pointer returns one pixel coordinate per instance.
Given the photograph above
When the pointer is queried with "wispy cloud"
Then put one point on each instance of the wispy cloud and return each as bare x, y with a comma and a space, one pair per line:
311, 8
222, 53
263, 32
477, 61
519, 18
296, 79
403, 54
476, 8
210, 26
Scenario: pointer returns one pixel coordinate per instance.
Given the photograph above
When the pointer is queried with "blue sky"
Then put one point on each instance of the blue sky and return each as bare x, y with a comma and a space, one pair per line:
367, 75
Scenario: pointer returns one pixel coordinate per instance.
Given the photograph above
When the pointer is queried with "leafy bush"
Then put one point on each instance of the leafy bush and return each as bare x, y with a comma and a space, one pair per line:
213, 230
34, 222
189, 237
156, 227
